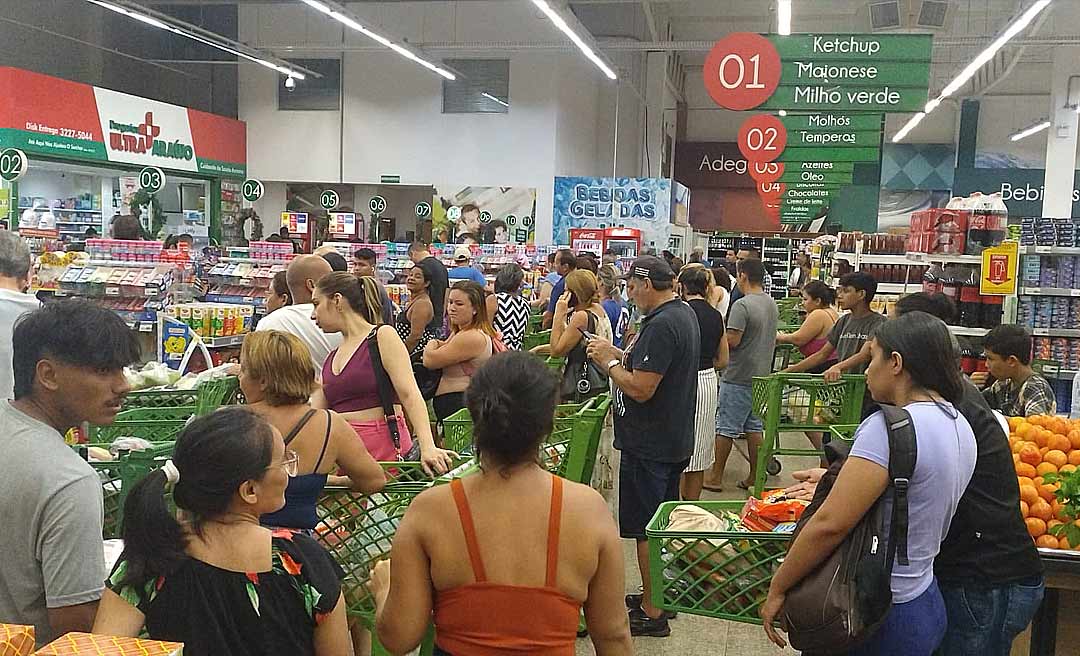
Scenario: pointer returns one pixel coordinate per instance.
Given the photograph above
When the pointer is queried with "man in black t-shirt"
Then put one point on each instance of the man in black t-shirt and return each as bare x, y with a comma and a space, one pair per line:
654, 396
439, 278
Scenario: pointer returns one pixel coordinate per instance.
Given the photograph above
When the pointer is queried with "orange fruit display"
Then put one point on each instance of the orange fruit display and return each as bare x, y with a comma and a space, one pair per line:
1074, 438
1026, 470
1023, 509
1061, 444
1035, 526
1025, 480
1029, 494
1074, 457
1065, 469
1046, 541
1046, 491
1041, 509
1044, 468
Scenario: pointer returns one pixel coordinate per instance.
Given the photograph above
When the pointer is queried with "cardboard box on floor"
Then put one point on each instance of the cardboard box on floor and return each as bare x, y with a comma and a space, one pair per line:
16, 640
88, 644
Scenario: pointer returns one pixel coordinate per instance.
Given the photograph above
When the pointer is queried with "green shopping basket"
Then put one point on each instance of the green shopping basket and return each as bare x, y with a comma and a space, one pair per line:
119, 476
724, 575
588, 427
531, 341
788, 310
536, 320
845, 432
458, 427
801, 402
205, 398
153, 424
556, 364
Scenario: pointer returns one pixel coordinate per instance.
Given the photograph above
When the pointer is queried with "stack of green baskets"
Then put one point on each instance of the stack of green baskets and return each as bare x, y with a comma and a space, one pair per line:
532, 340
205, 398
725, 575
801, 402
788, 309
119, 476
158, 415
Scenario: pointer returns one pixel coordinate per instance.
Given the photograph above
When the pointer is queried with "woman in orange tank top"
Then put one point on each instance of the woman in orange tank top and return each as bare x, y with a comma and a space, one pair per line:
539, 548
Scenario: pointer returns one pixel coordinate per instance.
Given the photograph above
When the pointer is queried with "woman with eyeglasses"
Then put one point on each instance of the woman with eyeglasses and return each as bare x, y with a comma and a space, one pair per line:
216, 579
277, 377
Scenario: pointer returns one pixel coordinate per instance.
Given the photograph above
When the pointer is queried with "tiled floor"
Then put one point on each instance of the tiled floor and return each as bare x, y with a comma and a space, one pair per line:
703, 636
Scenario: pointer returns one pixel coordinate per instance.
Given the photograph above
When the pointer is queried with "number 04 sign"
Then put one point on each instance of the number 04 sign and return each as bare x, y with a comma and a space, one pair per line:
742, 71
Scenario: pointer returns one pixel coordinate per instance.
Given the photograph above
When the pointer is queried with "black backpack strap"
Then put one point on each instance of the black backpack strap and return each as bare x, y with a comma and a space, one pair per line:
903, 453
386, 390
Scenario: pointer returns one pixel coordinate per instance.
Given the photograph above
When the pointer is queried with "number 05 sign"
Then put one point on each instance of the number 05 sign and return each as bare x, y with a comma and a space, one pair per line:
742, 71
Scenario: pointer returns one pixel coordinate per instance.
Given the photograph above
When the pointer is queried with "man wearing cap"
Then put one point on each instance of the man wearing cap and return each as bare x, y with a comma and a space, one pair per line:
655, 395
462, 269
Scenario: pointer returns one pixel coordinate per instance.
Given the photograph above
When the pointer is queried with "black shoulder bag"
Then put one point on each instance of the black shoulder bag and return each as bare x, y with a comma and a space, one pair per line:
386, 398
843, 602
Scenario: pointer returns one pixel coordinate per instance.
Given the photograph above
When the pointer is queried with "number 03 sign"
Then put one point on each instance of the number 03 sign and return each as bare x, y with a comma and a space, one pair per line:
742, 71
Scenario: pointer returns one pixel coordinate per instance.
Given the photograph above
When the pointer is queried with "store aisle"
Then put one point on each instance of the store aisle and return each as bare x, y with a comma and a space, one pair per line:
693, 635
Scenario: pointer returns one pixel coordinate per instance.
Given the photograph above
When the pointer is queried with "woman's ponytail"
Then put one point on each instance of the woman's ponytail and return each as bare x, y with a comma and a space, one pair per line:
154, 541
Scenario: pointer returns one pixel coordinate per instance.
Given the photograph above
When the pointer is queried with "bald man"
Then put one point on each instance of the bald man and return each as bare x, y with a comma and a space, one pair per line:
301, 276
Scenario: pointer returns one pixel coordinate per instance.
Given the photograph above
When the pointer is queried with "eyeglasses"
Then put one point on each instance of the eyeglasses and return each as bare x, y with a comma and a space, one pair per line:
291, 463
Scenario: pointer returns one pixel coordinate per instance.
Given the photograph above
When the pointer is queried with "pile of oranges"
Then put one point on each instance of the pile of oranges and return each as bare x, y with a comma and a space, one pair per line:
1042, 445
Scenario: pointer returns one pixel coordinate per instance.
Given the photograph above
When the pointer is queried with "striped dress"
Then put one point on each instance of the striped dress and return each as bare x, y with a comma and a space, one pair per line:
511, 319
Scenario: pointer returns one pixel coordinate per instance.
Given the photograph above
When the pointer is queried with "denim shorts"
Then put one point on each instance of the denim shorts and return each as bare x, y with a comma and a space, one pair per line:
734, 411
984, 621
643, 486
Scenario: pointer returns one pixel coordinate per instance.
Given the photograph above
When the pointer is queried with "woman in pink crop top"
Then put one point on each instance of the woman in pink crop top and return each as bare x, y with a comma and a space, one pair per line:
817, 300
470, 345
504, 559
351, 306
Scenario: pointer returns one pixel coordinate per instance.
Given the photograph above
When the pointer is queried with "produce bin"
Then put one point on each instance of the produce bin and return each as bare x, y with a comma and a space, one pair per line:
801, 402
724, 575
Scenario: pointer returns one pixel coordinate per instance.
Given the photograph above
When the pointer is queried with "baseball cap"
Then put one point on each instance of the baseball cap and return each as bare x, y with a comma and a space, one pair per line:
651, 267
462, 252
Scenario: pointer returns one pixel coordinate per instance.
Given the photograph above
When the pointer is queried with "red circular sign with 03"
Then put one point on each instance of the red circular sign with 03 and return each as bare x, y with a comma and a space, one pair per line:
762, 138
742, 71
765, 172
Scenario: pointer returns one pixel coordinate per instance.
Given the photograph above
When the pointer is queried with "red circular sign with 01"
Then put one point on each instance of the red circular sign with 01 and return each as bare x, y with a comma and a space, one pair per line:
742, 71
765, 172
762, 138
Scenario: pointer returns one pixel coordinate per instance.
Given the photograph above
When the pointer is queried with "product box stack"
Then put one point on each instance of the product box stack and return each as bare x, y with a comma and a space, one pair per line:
1063, 350
88, 644
937, 230
1042, 231
1046, 312
16, 640
1060, 271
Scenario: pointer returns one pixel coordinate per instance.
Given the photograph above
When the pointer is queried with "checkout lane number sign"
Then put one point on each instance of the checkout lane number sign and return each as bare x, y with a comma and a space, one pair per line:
151, 179
13, 164
253, 190
329, 199
377, 205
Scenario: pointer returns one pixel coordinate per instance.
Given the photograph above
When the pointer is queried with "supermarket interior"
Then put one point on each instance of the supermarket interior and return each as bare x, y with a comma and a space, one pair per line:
856, 216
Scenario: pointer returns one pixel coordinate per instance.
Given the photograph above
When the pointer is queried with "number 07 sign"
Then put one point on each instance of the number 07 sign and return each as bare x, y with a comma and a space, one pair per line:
742, 71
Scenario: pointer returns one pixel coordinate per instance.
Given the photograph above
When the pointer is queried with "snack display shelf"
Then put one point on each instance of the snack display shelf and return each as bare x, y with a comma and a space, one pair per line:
1049, 250
889, 287
64, 209
971, 332
224, 342
910, 258
1055, 332
1048, 291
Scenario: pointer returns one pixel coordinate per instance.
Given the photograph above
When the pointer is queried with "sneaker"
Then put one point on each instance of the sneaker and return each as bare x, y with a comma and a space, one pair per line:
634, 601
643, 625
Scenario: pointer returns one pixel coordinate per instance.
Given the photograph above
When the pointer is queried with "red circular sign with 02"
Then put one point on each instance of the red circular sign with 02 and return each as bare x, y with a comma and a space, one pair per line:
765, 172
742, 71
762, 138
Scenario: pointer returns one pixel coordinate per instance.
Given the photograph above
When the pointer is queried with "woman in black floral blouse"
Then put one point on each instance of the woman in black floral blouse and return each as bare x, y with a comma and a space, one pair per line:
218, 581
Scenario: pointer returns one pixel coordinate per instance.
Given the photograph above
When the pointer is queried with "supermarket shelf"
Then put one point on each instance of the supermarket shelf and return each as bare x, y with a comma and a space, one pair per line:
889, 287
223, 342
944, 258
254, 260
131, 264
1048, 291
63, 209
974, 332
1050, 250
1064, 374
1055, 332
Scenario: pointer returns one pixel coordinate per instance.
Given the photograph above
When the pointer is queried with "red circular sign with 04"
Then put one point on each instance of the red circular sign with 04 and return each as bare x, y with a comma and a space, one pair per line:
762, 138
765, 172
742, 71
771, 189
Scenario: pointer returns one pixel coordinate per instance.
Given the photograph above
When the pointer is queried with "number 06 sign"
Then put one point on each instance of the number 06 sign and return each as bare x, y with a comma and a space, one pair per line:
742, 70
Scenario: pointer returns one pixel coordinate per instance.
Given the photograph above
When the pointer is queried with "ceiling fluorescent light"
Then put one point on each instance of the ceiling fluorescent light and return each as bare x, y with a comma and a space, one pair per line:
783, 17
352, 23
558, 21
915, 120
315, 4
491, 97
1035, 129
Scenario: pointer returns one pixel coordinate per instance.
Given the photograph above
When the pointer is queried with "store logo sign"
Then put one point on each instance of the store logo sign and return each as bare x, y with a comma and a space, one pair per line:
145, 132
142, 138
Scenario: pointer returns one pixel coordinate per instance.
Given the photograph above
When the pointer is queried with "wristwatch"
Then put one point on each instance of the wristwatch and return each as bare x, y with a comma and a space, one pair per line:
612, 364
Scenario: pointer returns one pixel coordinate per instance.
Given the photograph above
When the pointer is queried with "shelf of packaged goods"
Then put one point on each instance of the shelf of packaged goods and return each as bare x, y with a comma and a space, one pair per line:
257, 301
1050, 250
224, 342
888, 287
1064, 374
1048, 291
255, 260
1055, 332
944, 258
872, 259
969, 332
62, 209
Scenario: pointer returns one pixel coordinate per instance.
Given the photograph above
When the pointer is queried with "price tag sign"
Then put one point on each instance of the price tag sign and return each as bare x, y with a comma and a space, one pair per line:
329, 199
377, 205
253, 190
762, 138
423, 209
742, 70
151, 179
13, 164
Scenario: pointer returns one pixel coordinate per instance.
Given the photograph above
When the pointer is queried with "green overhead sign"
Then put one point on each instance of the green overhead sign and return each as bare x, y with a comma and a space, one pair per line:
808, 71
848, 139
818, 166
824, 122
838, 97
834, 154
863, 48
813, 177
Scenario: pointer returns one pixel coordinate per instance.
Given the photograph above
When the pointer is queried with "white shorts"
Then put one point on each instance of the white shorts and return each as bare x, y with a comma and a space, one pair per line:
704, 422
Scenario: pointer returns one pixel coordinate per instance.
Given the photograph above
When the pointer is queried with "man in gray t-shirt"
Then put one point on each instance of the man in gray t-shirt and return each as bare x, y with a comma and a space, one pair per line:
68, 368
751, 335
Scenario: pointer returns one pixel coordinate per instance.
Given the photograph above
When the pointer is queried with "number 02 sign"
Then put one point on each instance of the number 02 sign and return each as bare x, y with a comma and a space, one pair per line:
762, 138
13, 164
742, 71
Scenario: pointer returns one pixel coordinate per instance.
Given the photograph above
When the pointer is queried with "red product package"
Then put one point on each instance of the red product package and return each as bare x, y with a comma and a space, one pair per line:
763, 515
16, 640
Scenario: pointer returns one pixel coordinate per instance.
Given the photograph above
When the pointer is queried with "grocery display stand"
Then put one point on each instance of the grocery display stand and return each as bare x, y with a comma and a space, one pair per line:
1049, 305
1062, 572
777, 253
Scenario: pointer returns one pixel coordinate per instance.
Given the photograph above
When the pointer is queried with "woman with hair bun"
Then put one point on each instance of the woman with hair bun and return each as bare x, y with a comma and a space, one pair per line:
539, 548
352, 306
218, 581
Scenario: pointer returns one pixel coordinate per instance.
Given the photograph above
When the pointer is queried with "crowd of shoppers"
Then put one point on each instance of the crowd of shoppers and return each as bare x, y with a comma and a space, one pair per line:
329, 392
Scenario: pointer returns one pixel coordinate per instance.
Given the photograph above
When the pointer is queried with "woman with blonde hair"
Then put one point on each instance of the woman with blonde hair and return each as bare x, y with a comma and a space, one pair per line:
277, 378
350, 305
472, 341
577, 312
